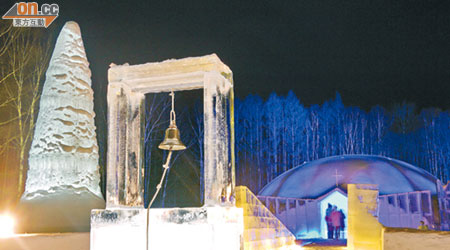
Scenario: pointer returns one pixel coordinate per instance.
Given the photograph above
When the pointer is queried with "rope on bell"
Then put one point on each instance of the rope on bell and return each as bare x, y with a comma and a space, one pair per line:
158, 187
173, 116
166, 165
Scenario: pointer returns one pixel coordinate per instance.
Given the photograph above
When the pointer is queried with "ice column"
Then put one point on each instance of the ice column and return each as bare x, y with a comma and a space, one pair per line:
125, 173
218, 168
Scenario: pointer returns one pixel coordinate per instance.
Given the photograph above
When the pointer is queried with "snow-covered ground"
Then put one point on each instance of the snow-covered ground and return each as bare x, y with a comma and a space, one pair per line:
66, 241
411, 239
59, 209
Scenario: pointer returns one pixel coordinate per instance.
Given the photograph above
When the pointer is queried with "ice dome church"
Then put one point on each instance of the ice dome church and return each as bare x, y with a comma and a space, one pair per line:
407, 194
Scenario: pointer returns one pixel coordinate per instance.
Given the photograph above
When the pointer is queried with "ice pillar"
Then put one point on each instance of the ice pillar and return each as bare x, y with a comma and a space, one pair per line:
218, 175
124, 170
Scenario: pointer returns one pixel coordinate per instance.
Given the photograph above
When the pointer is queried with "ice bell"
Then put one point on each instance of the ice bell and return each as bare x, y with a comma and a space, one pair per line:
172, 139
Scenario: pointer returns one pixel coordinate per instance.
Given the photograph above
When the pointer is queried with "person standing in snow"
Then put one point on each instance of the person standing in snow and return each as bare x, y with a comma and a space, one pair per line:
422, 226
328, 221
336, 222
342, 229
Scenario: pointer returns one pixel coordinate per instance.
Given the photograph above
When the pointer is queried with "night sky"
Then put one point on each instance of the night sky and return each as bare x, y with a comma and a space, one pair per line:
371, 52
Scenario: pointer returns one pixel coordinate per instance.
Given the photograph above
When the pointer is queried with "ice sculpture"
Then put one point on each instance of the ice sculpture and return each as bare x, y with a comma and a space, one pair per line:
126, 90
63, 159
218, 224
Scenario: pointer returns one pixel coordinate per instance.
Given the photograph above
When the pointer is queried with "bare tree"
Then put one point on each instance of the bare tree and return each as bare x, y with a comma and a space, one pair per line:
196, 124
156, 107
24, 56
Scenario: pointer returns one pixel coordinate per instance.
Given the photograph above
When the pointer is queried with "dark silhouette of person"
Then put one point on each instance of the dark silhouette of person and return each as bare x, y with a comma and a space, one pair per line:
336, 222
328, 221
422, 226
342, 229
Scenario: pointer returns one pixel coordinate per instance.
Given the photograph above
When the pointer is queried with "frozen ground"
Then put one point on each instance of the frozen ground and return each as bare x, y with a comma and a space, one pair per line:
321, 242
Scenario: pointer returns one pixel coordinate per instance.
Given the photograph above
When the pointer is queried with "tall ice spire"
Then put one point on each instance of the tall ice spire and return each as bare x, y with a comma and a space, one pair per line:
64, 150
63, 158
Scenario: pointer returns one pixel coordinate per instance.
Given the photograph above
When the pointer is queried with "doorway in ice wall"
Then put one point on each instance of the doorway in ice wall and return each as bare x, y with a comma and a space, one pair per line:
336, 198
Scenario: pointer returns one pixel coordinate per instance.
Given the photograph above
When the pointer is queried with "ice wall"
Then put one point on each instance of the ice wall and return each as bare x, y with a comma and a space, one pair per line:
364, 230
64, 151
262, 230
203, 228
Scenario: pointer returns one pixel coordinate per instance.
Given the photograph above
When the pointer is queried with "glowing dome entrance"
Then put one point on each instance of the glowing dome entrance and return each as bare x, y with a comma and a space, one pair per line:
336, 198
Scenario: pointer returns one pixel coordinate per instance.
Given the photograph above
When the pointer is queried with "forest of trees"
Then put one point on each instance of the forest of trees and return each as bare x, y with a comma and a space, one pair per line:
280, 133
